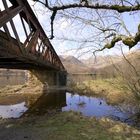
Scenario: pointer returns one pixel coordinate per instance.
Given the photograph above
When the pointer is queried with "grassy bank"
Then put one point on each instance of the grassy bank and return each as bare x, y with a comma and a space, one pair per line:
71, 125
66, 126
21, 89
114, 90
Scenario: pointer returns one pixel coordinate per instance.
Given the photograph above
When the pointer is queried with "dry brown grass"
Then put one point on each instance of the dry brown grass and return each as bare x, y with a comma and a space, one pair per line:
114, 90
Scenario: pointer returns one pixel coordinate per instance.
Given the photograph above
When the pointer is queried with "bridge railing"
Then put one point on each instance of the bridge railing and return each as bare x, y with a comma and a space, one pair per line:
19, 23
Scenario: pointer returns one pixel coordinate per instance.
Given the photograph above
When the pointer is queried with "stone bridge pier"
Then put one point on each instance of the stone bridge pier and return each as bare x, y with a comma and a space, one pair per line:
47, 78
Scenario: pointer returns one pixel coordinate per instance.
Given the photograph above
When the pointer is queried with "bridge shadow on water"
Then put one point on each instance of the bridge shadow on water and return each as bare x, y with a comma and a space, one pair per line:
48, 103
31, 103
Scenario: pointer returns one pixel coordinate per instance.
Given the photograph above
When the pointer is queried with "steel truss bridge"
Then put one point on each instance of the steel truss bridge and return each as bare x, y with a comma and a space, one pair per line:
23, 42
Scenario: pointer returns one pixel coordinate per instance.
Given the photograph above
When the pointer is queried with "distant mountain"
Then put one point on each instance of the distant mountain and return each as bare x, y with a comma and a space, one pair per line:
101, 61
129, 63
100, 64
73, 65
72, 59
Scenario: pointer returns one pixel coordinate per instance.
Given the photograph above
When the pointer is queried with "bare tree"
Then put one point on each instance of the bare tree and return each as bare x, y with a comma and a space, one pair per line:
131, 73
128, 69
96, 25
101, 18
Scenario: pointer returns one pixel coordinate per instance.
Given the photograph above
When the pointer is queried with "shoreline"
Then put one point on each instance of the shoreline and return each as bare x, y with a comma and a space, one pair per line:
109, 89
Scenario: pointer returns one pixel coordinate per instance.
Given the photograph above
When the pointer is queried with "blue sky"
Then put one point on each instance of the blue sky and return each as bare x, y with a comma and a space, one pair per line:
64, 27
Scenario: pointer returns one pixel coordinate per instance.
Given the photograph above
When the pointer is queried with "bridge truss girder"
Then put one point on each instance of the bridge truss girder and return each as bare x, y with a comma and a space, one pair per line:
35, 50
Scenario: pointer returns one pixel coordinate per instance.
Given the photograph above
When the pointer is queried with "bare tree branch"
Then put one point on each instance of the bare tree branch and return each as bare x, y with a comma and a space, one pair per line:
52, 20
124, 6
118, 8
129, 41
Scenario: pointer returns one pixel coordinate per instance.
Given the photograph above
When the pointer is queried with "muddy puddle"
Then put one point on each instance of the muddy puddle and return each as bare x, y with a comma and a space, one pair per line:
65, 101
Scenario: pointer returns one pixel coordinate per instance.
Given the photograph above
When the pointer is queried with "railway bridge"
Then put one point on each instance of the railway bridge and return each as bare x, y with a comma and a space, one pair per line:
24, 44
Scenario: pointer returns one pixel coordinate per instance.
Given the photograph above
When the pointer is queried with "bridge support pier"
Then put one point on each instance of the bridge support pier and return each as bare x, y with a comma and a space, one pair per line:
46, 78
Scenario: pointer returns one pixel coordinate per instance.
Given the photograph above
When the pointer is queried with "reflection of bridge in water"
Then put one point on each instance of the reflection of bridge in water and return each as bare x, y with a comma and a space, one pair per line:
24, 105
24, 44
47, 103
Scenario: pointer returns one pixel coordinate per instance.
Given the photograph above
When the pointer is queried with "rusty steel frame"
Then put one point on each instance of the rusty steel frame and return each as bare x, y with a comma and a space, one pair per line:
36, 46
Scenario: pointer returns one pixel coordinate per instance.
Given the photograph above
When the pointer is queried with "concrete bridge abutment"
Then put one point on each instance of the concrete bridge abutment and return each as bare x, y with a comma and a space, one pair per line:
47, 78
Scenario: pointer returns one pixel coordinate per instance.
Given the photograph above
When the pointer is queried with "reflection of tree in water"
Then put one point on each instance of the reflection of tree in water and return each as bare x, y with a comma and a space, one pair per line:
81, 104
131, 114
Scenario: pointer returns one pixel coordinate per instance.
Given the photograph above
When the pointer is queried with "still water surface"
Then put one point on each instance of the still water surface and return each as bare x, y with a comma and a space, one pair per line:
92, 106
65, 101
12, 111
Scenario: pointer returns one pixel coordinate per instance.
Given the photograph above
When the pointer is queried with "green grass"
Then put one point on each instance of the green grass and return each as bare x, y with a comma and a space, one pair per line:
71, 126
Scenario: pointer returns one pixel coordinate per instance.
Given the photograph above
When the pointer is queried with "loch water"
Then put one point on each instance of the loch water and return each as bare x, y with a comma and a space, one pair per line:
66, 101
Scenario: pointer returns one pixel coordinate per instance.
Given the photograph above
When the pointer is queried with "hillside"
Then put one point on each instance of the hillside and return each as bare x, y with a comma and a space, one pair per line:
126, 65
102, 64
101, 61
73, 65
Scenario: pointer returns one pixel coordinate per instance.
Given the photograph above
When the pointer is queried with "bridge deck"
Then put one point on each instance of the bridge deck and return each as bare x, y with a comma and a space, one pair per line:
11, 57
35, 51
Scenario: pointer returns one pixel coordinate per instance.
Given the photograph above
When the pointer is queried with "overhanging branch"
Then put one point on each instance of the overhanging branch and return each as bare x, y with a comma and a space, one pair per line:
116, 7
129, 41
52, 20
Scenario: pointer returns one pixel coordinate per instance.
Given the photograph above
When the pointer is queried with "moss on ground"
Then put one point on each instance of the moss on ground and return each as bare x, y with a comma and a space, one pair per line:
66, 126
